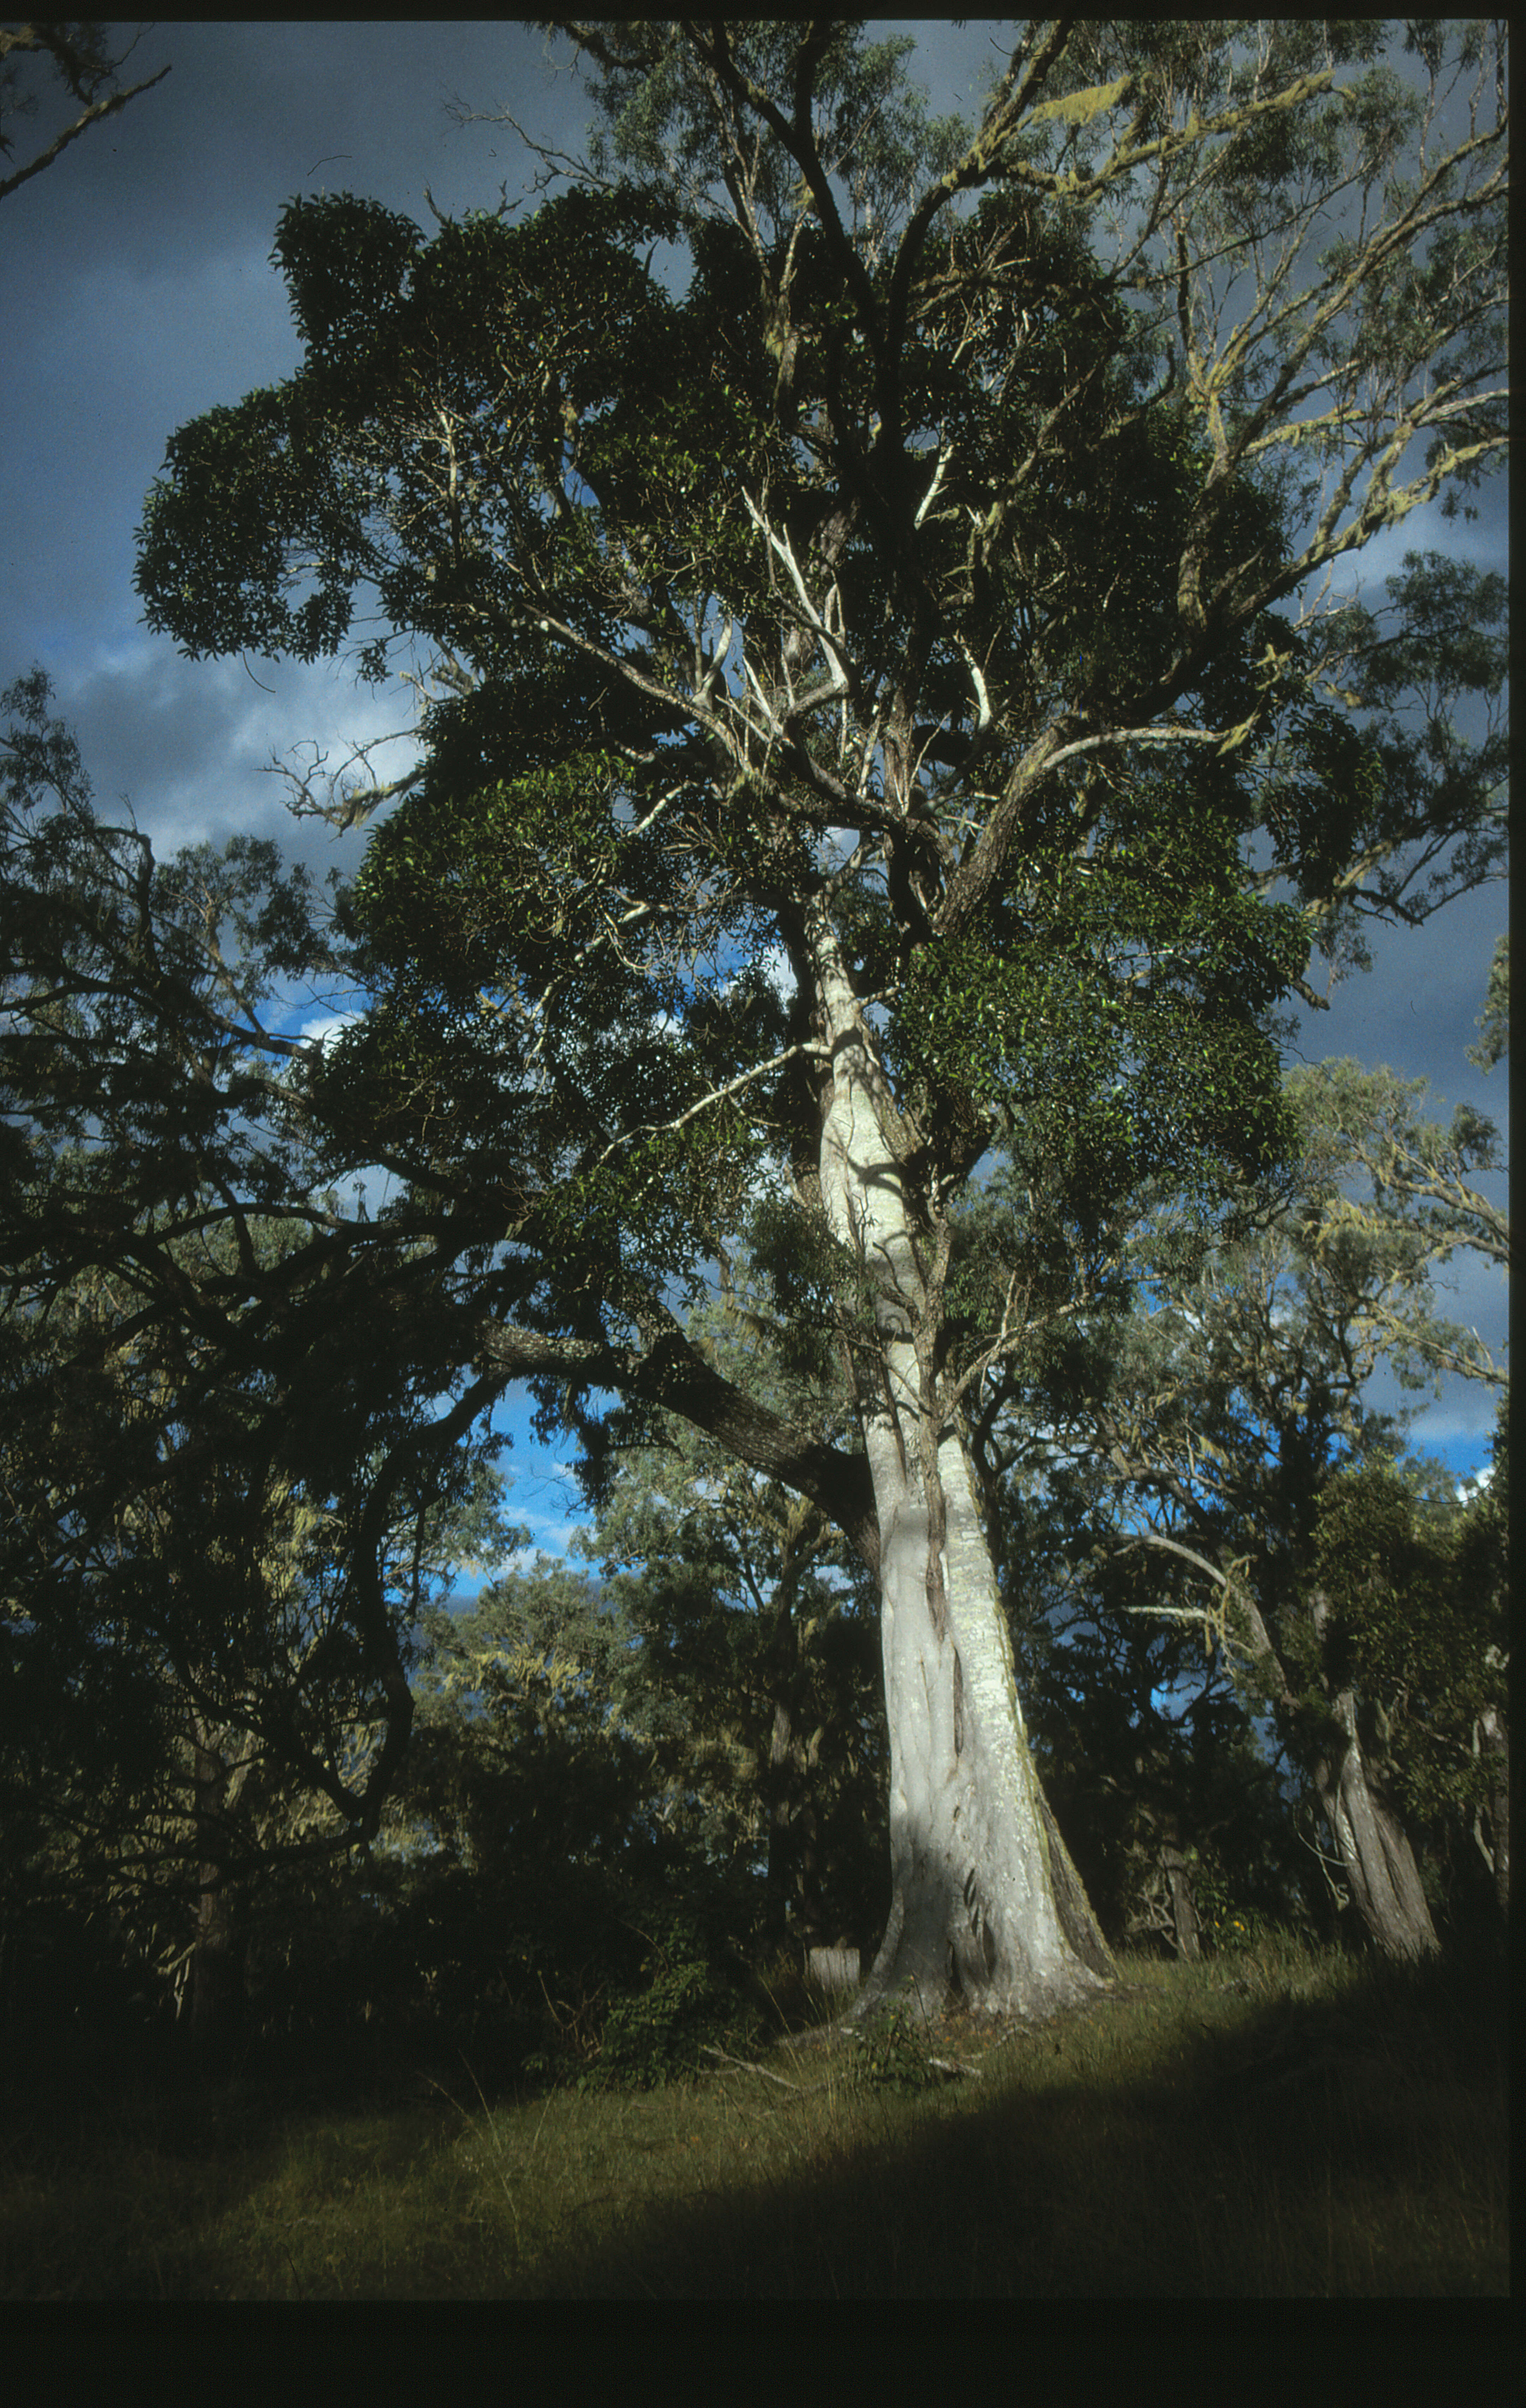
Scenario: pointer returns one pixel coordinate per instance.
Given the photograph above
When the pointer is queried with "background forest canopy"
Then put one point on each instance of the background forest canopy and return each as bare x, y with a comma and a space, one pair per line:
895, 732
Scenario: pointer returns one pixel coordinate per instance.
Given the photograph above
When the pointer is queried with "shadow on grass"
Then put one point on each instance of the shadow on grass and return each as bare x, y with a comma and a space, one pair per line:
194, 2189
1291, 2148
1198, 2135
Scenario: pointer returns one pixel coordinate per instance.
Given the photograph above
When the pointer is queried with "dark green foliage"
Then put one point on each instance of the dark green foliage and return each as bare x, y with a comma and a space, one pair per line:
1103, 1017
536, 1973
1145, 1747
74, 2000
219, 1529
653, 2030
1494, 1020
701, 1726
971, 432
889, 2053
487, 889
536, 1836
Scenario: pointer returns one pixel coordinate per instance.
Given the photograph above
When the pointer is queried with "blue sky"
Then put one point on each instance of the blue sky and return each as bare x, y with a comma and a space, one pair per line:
137, 291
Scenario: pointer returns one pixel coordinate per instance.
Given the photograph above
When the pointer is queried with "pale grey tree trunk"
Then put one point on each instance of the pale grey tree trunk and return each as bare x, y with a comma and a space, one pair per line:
985, 1899
834, 1969
1375, 1853
1373, 1849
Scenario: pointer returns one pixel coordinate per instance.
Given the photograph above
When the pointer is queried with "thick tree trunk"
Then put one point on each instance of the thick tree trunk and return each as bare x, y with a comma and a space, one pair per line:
1375, 1855
985, 1899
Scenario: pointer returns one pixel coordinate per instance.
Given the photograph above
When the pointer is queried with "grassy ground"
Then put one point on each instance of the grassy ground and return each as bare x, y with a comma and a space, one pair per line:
1270, 2125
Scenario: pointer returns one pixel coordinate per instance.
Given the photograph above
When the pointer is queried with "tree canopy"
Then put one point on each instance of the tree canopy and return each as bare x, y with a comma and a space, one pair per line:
883, 719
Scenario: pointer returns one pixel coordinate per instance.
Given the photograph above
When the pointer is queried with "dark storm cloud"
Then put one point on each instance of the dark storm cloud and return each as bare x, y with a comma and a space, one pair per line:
136, 349
193, 746
1417, 1007
252, 113
137, 267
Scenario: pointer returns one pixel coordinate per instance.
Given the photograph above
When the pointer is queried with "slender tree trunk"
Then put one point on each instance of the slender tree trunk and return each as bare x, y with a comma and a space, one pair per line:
1178, 1876
793, 1871
985, 1899
1376, 1854
1495, 1733
779, 1883
220, 1956
778, 1772
790, 1775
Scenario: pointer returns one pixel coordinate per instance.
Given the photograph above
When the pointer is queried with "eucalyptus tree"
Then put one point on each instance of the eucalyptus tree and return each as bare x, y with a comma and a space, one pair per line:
1149, 1748
1483, 1570
1494, 1020
1411, 1616
884, 701
1224, 1428
1406, 1185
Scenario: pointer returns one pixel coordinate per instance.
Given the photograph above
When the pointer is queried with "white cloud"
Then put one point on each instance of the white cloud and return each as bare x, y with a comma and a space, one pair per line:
200, 749
777, 970
327, 1026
